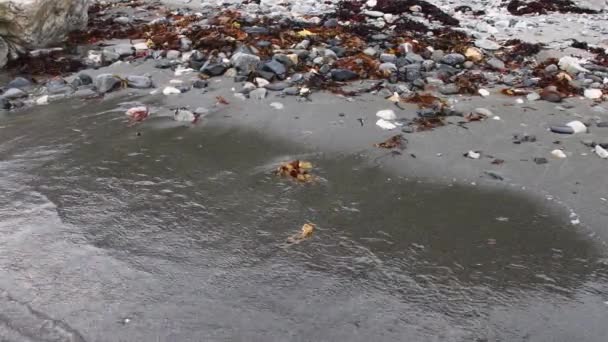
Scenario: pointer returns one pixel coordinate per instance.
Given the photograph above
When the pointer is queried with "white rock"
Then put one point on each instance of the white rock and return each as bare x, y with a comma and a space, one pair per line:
572, 65
374, 14
277, 105
385, 124
601, 152
519, 101
473, 155
184, 116
533, 96
261, 82
180, 71
483, 92
558, 154
577, 126
141, 47
371, 3
171, 91
487, 44
386, 114
42, 100
593, 93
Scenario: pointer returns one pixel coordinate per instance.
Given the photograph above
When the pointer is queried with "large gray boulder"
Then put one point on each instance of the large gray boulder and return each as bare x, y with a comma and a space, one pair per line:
32, 24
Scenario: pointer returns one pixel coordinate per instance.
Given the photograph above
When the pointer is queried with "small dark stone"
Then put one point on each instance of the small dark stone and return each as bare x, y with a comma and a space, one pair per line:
275, 67
494, 175
291, 91
602, 124
256, 30
106, 83
541, 160
5, 103
241, 78
213, 69
342, 75
164, 64
408, 129
338, 50
200, 84
332, 22
453, 59
85, 79
267, 75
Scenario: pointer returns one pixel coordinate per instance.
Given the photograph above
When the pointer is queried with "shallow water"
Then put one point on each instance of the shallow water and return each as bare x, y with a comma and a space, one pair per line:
179, 235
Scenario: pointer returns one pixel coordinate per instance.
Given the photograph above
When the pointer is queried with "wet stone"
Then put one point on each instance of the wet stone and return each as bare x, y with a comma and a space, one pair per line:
139, 82
453, 59
58, 86
449, 89
258, 94
19, 82
245, 62
291, 91
173, 54
342, 75
276, 86
213, 69
200, 84
106, 83
388, 58
14, 93
496, 64
276, 68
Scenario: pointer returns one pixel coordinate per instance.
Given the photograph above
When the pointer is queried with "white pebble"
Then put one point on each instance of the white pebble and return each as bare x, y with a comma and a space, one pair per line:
386, 114
473, 155
277, 105
601, 152
385, 124
483, 92
558, 154
171, 91
593, 93
42, 100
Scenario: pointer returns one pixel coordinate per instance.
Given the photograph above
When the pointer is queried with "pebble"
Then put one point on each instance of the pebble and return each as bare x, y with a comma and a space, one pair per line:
291, 91
258, 94
483, 111
453, 59
370, 51
550, 95
593, 93
487, 44
213, 69
42, 100
449, 89
200, 84
342, 75
601, 152
473, 54
473, 155
106, 83
277, 86
245, 62
276, 68
496, 63
173, 54
171, 91
19, 82
483, 92
384, 124
184, 115
558, 154
533, 96
139, 82
386, 114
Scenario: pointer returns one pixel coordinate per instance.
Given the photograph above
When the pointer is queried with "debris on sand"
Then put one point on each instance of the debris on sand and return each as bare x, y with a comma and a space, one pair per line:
297, 170
305, 233
396, 141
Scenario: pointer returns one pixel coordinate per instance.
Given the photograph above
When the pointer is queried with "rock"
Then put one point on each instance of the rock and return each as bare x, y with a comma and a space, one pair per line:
173, 54
473, 54
122, 20
428, 65
291, 91
413, 72
374, 14
468, 64
473, 155
248, 87
600, 151
213, 69
483, 92
184, 115
571, 127
386, 114
85, 92
141, 46
258, 94
19, 82
124, 50
384, 124
185, 44
551, 95
42, 100
139, 82
13, 93
487, 44
453, 59
495, 63
449, 89
343, 75
171, 91
58, 86
593, 93
4, 103
200, 84
571, 65
276, 68
558, 154
483, 111
277, 86
388, 58
370, 51
34, 24
387, 67
533, 96
261, 82
551, 68
540, 160
244, 62
106, 83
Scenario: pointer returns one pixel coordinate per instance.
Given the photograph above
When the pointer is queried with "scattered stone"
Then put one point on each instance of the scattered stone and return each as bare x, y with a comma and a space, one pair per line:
276, 68
277, 86
171, 91
343, 75
14, 93
139, 82
291, 91
184, 115
387, 114
558, 154
258, 94
487, 44
245, 62
593, 94
473, 155
277, 105
540, 160
483, 111
384, 124
200, 84
449, 89
496, 64
20, 83
453, 59
551, 95
473, 54
173, 54
213, 69
570, 128
601, 152
483, 92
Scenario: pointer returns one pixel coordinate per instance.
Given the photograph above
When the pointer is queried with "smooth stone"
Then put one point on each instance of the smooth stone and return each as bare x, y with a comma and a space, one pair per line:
213, 69
19, 82
245, 62
173, 54
291, 91
139, 82
14, 93
106, 83
495, 63
453, 59
275, 67
200, 84
258, 94
277, 86
487, 44
342, 75
449, 89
